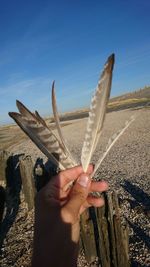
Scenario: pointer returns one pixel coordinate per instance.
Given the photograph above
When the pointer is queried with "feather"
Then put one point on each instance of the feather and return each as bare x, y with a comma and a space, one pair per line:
111, 143
27, 113
24, 111
97, 113
57, 122
42, 136
40, 119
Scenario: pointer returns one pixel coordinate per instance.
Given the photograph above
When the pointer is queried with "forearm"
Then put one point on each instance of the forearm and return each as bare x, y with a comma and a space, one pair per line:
55, 243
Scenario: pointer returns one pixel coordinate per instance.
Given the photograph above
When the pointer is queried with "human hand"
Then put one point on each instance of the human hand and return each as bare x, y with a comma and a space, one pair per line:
74, 200
58, 210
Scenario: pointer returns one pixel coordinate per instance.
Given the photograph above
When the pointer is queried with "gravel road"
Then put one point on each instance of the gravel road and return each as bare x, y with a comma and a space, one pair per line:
126, 168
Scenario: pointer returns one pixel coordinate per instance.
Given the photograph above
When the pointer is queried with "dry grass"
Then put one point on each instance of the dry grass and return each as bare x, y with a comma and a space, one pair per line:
10, 135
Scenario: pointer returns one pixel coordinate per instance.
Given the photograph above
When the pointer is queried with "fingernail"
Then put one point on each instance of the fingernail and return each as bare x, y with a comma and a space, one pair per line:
83, 180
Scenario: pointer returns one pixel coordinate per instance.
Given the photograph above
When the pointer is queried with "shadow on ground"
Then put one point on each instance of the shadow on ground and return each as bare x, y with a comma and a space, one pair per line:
140, 197
140, 202
137, 264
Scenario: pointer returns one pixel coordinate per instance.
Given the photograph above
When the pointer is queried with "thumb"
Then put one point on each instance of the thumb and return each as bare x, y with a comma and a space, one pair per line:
78, 196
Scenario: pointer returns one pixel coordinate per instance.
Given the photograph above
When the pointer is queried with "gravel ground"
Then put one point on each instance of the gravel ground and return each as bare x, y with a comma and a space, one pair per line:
126, 168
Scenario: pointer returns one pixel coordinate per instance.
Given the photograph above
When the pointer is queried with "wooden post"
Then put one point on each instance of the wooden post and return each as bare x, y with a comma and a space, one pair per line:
26, 171
110, 242
87, 237
121, 236
4, 155
111, 230
104, 249
2, 202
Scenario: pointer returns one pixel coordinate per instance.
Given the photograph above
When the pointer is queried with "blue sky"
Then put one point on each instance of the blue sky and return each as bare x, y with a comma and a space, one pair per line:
69, 41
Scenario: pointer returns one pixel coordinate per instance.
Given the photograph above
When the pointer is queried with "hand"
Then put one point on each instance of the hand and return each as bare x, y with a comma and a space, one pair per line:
57, 214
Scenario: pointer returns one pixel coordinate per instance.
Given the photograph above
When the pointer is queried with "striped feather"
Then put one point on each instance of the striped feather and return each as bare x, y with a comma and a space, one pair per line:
43, 137
24, 111
27, 113
40, 119
97, 113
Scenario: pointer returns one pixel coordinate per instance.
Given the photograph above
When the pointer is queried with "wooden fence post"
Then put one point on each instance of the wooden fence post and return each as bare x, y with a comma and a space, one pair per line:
110, 241
26, 171
87, 237
104, 249
121, 236
4, 155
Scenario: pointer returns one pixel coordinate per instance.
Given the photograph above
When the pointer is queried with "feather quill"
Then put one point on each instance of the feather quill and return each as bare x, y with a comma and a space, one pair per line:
57, 122
97, 113
111, 143
42, 136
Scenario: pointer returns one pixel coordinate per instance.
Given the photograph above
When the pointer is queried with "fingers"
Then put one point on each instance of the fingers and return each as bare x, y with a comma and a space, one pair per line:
69, 175
90, 169
57, 183
78, 196
94, 201
100, 186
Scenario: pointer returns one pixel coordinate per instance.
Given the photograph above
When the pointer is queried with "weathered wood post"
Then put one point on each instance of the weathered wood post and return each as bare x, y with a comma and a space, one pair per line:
4, 155
110, 243
10, 191
103, 240
26, 170
121, 235
87, 237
